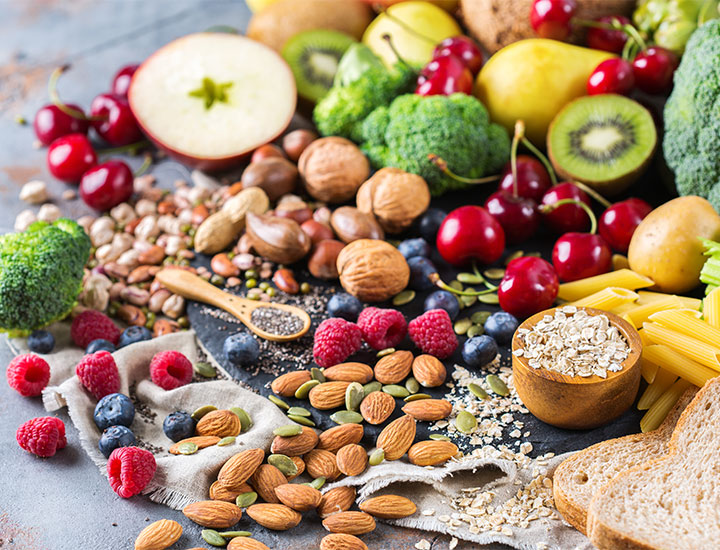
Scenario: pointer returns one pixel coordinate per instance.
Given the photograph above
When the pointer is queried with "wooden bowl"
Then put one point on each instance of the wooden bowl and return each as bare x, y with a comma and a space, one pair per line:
576, 402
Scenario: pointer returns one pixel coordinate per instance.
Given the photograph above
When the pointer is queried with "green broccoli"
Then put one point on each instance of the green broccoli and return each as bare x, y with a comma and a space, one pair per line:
456, 128
41, 272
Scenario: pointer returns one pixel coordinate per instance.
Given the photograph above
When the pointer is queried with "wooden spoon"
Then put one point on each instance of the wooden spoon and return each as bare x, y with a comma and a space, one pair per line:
193, 287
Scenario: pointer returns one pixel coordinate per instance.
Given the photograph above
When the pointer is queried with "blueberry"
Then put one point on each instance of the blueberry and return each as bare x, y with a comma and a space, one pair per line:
115, 409
430, 223
442, 299
420, 271
114, 437
344, 305
41, 341
133, 334
98, 345
411, 248
179, 425
501, 326
241, 349
478, 351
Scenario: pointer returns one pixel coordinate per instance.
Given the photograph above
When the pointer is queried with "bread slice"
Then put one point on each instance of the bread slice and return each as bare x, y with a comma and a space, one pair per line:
580, 476
672, 502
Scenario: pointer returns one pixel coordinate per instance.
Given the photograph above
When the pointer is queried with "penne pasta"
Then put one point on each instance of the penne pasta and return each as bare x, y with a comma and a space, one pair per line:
647, 296
648, 370
660, 409
607, 298
711, 308
688, 346
623, 308
623, 278
684, 321
677, 363
663, 380
638, 315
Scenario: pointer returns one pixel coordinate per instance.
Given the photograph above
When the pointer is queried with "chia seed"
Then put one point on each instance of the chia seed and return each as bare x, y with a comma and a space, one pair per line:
276, 321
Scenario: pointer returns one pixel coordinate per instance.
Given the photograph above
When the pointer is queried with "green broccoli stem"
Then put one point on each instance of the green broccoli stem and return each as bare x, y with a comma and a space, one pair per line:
442, 165
55, 97
710, 273
547, 208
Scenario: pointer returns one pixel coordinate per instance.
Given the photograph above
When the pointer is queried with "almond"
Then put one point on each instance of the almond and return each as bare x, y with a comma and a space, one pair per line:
350, 523
158, 535
246, 543
201, 441
296, 445
328, 395
340, 541
431, 453
429, 371
287, 384
298, 496
265, 479
349, 372
339, 436
277, 517
339, 499
213, 513
321, 463
394, 368
396, 437
238, 468
219, 492
389, 507
352, 460
428, 409
300, 463
221, 423
377, 407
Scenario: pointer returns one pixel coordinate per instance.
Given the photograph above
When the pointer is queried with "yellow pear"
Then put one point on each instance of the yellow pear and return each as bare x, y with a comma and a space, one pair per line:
532, 80
257, 5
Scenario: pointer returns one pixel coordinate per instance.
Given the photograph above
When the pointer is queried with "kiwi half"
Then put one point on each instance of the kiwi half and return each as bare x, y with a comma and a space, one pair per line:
605, 141
313, 57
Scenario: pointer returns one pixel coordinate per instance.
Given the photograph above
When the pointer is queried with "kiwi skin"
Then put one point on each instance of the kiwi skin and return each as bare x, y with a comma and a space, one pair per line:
609, 187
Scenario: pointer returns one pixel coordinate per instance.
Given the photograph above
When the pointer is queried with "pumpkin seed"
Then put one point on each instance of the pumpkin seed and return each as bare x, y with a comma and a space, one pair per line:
288, 431
475, 330
470, 278
202, 411
465, 422
457, 285
416, 397
317, 374
384, 352
279, 402
396, 391
284, 464
462, 326
533, 254
346, 417
212, 537
245, 420
225, 441
477, 391
494, 273
243, 500
468, 301
187, 448
299, 411
354, 395
479, 317
412, 385
439, 437
301, 420
376, 457
491, 298
514, 256
405, 297
205, 369
303, 391
317, 483
371, 387
497, 385
233, 534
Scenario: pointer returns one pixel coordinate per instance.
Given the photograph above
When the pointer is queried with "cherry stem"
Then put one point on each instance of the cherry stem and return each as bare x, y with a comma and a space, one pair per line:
147, 162
594, 194
547, 208
55, 97
629, 30
388, 39
442, 165
437, 281
546, 163
480, 276
519, 134
131, 148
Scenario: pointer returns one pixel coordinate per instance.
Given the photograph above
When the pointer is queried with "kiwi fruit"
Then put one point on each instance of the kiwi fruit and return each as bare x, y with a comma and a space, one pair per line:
605, 141
313, 57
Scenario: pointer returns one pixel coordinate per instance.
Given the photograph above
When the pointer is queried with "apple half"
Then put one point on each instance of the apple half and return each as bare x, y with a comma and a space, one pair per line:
209, 99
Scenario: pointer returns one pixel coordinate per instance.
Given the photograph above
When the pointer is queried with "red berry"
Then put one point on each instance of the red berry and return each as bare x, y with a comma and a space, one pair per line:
335, 340
382, 328
530, 285
464, 48
609, 40
581, 255
121, 80
130, 469
444, 75
170, 370
533, 178
99, 374
92, 325
551, 18
518, 216
433, 333
69, 157
618, 223
654, 69
118, 125
28, 374
568, 217
51, 123
612, 76
42, 436
107, 185
470, 233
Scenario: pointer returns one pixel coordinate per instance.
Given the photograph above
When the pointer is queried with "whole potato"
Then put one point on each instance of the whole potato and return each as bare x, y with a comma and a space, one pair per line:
666, 245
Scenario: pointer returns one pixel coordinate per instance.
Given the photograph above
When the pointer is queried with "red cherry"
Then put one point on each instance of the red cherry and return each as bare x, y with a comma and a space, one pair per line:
107, 185
470, 233
530, 285
618, 223
444, 76
118, 126
551, 18
612, 76
518, 216
121, 80
580, 255
533, 178
51, 123
606, 39
568, 217
464, 48
654, 69
69, 157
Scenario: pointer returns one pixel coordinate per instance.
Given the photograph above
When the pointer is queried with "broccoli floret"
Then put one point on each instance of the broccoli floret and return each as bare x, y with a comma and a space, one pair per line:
456, 128
41, 272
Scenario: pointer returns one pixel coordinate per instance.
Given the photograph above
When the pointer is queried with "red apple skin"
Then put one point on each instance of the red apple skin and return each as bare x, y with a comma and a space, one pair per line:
470, 233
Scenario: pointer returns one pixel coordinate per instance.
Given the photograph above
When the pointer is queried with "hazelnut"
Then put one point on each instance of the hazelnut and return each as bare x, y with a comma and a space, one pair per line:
274, 175
323, 261
266, 151
296, 142
372, 270
394, 197
332, 169
279, 240
317, 231
350, 225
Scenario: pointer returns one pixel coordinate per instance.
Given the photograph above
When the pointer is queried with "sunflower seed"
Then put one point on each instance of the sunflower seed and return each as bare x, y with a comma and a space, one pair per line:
225, 441
416, 397
299, 411
475, 330
469, 278
305, 421
396, 391
317, 483
202, 411
279, 402
346, 417
205, 369
354, 395
462, 326
212, 537
317, 374
244, 500
479, 317
284, 464
288, 431
376, 457
514, 256
303, 391
494, 273
405, 297
439, 437
491, 298
233, 534
477, 391
497, 385
384, 352
245, 420
371, 387
187, 448
465, 422
412, 385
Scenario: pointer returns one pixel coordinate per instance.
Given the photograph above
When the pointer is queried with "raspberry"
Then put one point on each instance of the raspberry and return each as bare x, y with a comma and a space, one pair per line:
130, 469
335, 340
28, 374
382, 328
42, 436
91, 325
433, 333
99, 374
170, 370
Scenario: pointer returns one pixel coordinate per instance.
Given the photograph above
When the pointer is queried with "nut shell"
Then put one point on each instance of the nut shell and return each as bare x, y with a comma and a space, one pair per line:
274, 175
280, 240
332, 169
372, 270
351, 224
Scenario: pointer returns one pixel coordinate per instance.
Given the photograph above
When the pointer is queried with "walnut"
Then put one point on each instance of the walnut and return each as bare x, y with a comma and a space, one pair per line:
372, 270
332, 169
394, 197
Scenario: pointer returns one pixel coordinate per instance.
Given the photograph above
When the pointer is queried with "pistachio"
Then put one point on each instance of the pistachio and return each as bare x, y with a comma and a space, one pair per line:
174, 306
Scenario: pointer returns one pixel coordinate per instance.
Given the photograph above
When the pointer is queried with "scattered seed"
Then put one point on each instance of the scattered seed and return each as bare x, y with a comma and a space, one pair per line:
376, 457
416, 397
317, 374
299, 411
264, 285
288, 431
243, 500
489, 298
354, 395
384, 352
233, 534
245, 420
462, 326
479, 317
396, 391
371, 387
475, 330
497, 385
494, 273
477, 391
439, 437
212, 537
225, 441
468, 301
283, 463
303, 391
187, 448
305, 288
279, 402
301, 420
202, 411
346, 417
457, 285
251, 283
405, 297
513, 256
465, 422
533, 254
205, 369
317, 483
412, 385
469, 278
